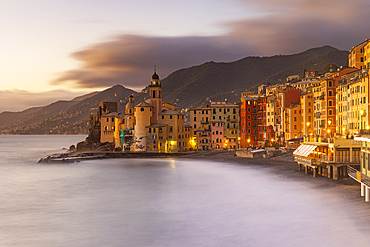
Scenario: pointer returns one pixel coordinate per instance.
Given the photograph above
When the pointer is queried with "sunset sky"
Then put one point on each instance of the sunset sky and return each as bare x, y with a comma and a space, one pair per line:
59, 49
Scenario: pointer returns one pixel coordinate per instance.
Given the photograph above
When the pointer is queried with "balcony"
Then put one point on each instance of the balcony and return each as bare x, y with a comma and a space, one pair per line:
340, 159
305, 161
230, 119
364, 132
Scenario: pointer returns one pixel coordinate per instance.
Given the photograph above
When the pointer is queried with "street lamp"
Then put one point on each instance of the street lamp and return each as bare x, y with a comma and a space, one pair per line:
308, 125
362, 113
329, 123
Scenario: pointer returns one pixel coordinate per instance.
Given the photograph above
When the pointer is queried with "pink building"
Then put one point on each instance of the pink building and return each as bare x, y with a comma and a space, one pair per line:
217, 137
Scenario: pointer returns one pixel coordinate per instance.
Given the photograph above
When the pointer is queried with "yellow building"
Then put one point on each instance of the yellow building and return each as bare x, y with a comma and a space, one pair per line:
229, 114
367, 55
143, 118
108, 127
176, 129
200, 118
307, 113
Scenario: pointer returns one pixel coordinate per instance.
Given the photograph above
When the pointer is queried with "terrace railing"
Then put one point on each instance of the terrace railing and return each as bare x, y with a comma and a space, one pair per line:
340, 159
358, 176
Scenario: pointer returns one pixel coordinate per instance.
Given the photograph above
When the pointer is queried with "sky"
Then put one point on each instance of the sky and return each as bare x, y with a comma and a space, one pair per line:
60, 49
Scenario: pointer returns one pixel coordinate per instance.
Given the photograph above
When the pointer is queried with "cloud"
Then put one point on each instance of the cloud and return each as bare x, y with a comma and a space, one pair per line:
279, 27
291, 26
130, 59
18, 100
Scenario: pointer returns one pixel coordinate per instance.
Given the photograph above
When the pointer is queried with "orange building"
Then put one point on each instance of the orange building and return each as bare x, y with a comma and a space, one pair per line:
356, 57
292, 122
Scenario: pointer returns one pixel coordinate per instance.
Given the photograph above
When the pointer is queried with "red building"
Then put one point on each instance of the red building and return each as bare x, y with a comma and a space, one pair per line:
248, 122
261, 116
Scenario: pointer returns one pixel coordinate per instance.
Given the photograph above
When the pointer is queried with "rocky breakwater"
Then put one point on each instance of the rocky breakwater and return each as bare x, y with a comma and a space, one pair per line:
92, 141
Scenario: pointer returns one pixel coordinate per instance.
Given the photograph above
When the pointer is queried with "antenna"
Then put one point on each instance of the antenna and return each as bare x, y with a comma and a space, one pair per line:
155, 68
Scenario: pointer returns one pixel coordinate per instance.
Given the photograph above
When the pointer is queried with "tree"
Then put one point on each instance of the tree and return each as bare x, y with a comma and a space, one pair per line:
330, 68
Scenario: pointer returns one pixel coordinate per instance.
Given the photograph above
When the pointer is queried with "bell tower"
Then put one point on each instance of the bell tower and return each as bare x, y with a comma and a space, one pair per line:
155, 90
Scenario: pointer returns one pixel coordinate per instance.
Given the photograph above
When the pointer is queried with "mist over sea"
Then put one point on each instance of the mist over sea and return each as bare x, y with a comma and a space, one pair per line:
161, 202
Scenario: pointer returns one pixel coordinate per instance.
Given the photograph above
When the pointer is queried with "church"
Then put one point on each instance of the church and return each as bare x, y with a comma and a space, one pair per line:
151, 125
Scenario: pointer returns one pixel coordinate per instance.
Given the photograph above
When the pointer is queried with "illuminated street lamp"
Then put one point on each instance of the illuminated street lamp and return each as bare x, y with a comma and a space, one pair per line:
362, 113
308, 125
329, 123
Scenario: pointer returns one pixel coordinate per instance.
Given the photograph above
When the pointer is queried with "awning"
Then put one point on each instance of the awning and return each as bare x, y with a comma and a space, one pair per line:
304, 150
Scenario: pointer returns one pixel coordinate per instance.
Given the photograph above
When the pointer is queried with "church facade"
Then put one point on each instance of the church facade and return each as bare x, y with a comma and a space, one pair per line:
150, 125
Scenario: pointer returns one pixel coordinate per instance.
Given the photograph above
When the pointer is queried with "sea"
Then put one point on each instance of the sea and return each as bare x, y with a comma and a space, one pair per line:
161, 202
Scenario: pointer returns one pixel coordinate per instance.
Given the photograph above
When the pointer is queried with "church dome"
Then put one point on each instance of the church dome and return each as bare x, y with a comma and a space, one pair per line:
130, 103
155, 76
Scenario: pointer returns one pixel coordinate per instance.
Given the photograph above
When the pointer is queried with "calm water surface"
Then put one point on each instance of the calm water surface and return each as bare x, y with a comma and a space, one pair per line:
152, 202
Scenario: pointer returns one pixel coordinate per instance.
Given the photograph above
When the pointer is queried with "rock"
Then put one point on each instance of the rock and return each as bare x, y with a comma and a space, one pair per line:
72, 148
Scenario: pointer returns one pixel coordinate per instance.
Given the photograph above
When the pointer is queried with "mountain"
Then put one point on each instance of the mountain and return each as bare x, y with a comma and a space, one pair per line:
188, 86
64, 117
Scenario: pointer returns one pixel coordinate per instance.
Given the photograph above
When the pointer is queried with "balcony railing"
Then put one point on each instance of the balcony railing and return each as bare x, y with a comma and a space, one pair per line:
319, 139
304, 161
358, 176
340, 159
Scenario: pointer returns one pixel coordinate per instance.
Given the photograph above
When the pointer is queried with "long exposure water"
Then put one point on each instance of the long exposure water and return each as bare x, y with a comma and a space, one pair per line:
159, 202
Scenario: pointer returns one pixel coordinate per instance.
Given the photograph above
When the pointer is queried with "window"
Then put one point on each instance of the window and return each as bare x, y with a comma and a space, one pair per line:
170, 116
142, 109
112, 119
330, 83
330, 112
150, 130
330, 93
162, 117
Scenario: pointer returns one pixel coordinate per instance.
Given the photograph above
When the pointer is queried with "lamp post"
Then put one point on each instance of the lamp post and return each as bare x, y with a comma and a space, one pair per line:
308, 126
362, 113
329, 123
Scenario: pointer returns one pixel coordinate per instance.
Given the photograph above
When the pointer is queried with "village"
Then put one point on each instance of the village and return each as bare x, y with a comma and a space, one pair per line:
324, 118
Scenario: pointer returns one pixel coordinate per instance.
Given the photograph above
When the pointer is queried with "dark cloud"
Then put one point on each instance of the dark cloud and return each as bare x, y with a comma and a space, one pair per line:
281, 27
130, 59
290, 26
18, 100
